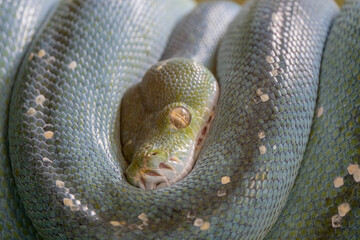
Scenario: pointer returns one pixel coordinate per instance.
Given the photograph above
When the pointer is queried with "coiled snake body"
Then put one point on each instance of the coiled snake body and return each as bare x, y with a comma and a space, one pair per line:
281, 159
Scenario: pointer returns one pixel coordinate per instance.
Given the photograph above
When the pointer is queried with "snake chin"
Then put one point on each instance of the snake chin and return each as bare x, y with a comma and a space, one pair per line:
157, 169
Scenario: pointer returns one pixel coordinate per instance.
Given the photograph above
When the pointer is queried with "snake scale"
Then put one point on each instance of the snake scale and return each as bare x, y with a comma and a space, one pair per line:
281, 159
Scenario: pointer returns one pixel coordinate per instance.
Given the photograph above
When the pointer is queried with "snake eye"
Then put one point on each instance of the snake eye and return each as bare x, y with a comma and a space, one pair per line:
180, 117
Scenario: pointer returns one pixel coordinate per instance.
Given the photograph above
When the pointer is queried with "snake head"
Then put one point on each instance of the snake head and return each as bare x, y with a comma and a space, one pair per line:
164, 121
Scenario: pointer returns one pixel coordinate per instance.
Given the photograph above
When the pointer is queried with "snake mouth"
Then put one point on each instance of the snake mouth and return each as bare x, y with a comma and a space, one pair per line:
150, 175
150, 179
155, 168
152, 169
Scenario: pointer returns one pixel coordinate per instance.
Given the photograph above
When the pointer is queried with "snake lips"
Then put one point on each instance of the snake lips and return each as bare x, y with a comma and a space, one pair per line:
165, 120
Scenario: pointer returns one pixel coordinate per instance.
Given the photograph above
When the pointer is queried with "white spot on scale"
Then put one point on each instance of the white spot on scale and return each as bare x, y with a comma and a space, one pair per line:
320, 111
270, 59
74, 204
356, 175
225, 180
198, 222
41, 53
221, 192
343, 209
117, 223
264, 97
40, 99
338, 182
261, 134
31, 56
59, 184
202, 224
72, 65
274, 72
68, 202
352, 168
336, 221
48, 134
143, 217
46, 160
31, 112
262, 149
259, 92
205, 226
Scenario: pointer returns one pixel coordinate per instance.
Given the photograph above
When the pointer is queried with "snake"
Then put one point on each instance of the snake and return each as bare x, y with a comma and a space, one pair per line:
281, 156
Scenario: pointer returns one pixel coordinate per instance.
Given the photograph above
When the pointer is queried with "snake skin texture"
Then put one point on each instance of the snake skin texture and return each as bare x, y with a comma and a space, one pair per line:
197, 36
64, 136
112, 50
268, 69
333, 145
16, 33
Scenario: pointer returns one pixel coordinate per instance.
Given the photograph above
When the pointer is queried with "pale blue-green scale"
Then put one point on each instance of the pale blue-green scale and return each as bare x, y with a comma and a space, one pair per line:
333, 143
19, 22
81, 109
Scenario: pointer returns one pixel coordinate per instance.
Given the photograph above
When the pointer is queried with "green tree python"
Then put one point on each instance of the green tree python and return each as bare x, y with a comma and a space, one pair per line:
281, 158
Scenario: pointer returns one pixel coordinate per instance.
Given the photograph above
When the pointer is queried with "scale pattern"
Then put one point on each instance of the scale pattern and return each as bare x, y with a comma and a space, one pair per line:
64, 142
197, 35
334, 143
16, 32
65, 157
268, 62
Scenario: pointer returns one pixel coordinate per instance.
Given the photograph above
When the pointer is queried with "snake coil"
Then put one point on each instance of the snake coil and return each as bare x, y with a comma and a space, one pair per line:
281, 160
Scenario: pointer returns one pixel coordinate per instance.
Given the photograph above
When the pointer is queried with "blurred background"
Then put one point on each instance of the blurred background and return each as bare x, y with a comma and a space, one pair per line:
340, 2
